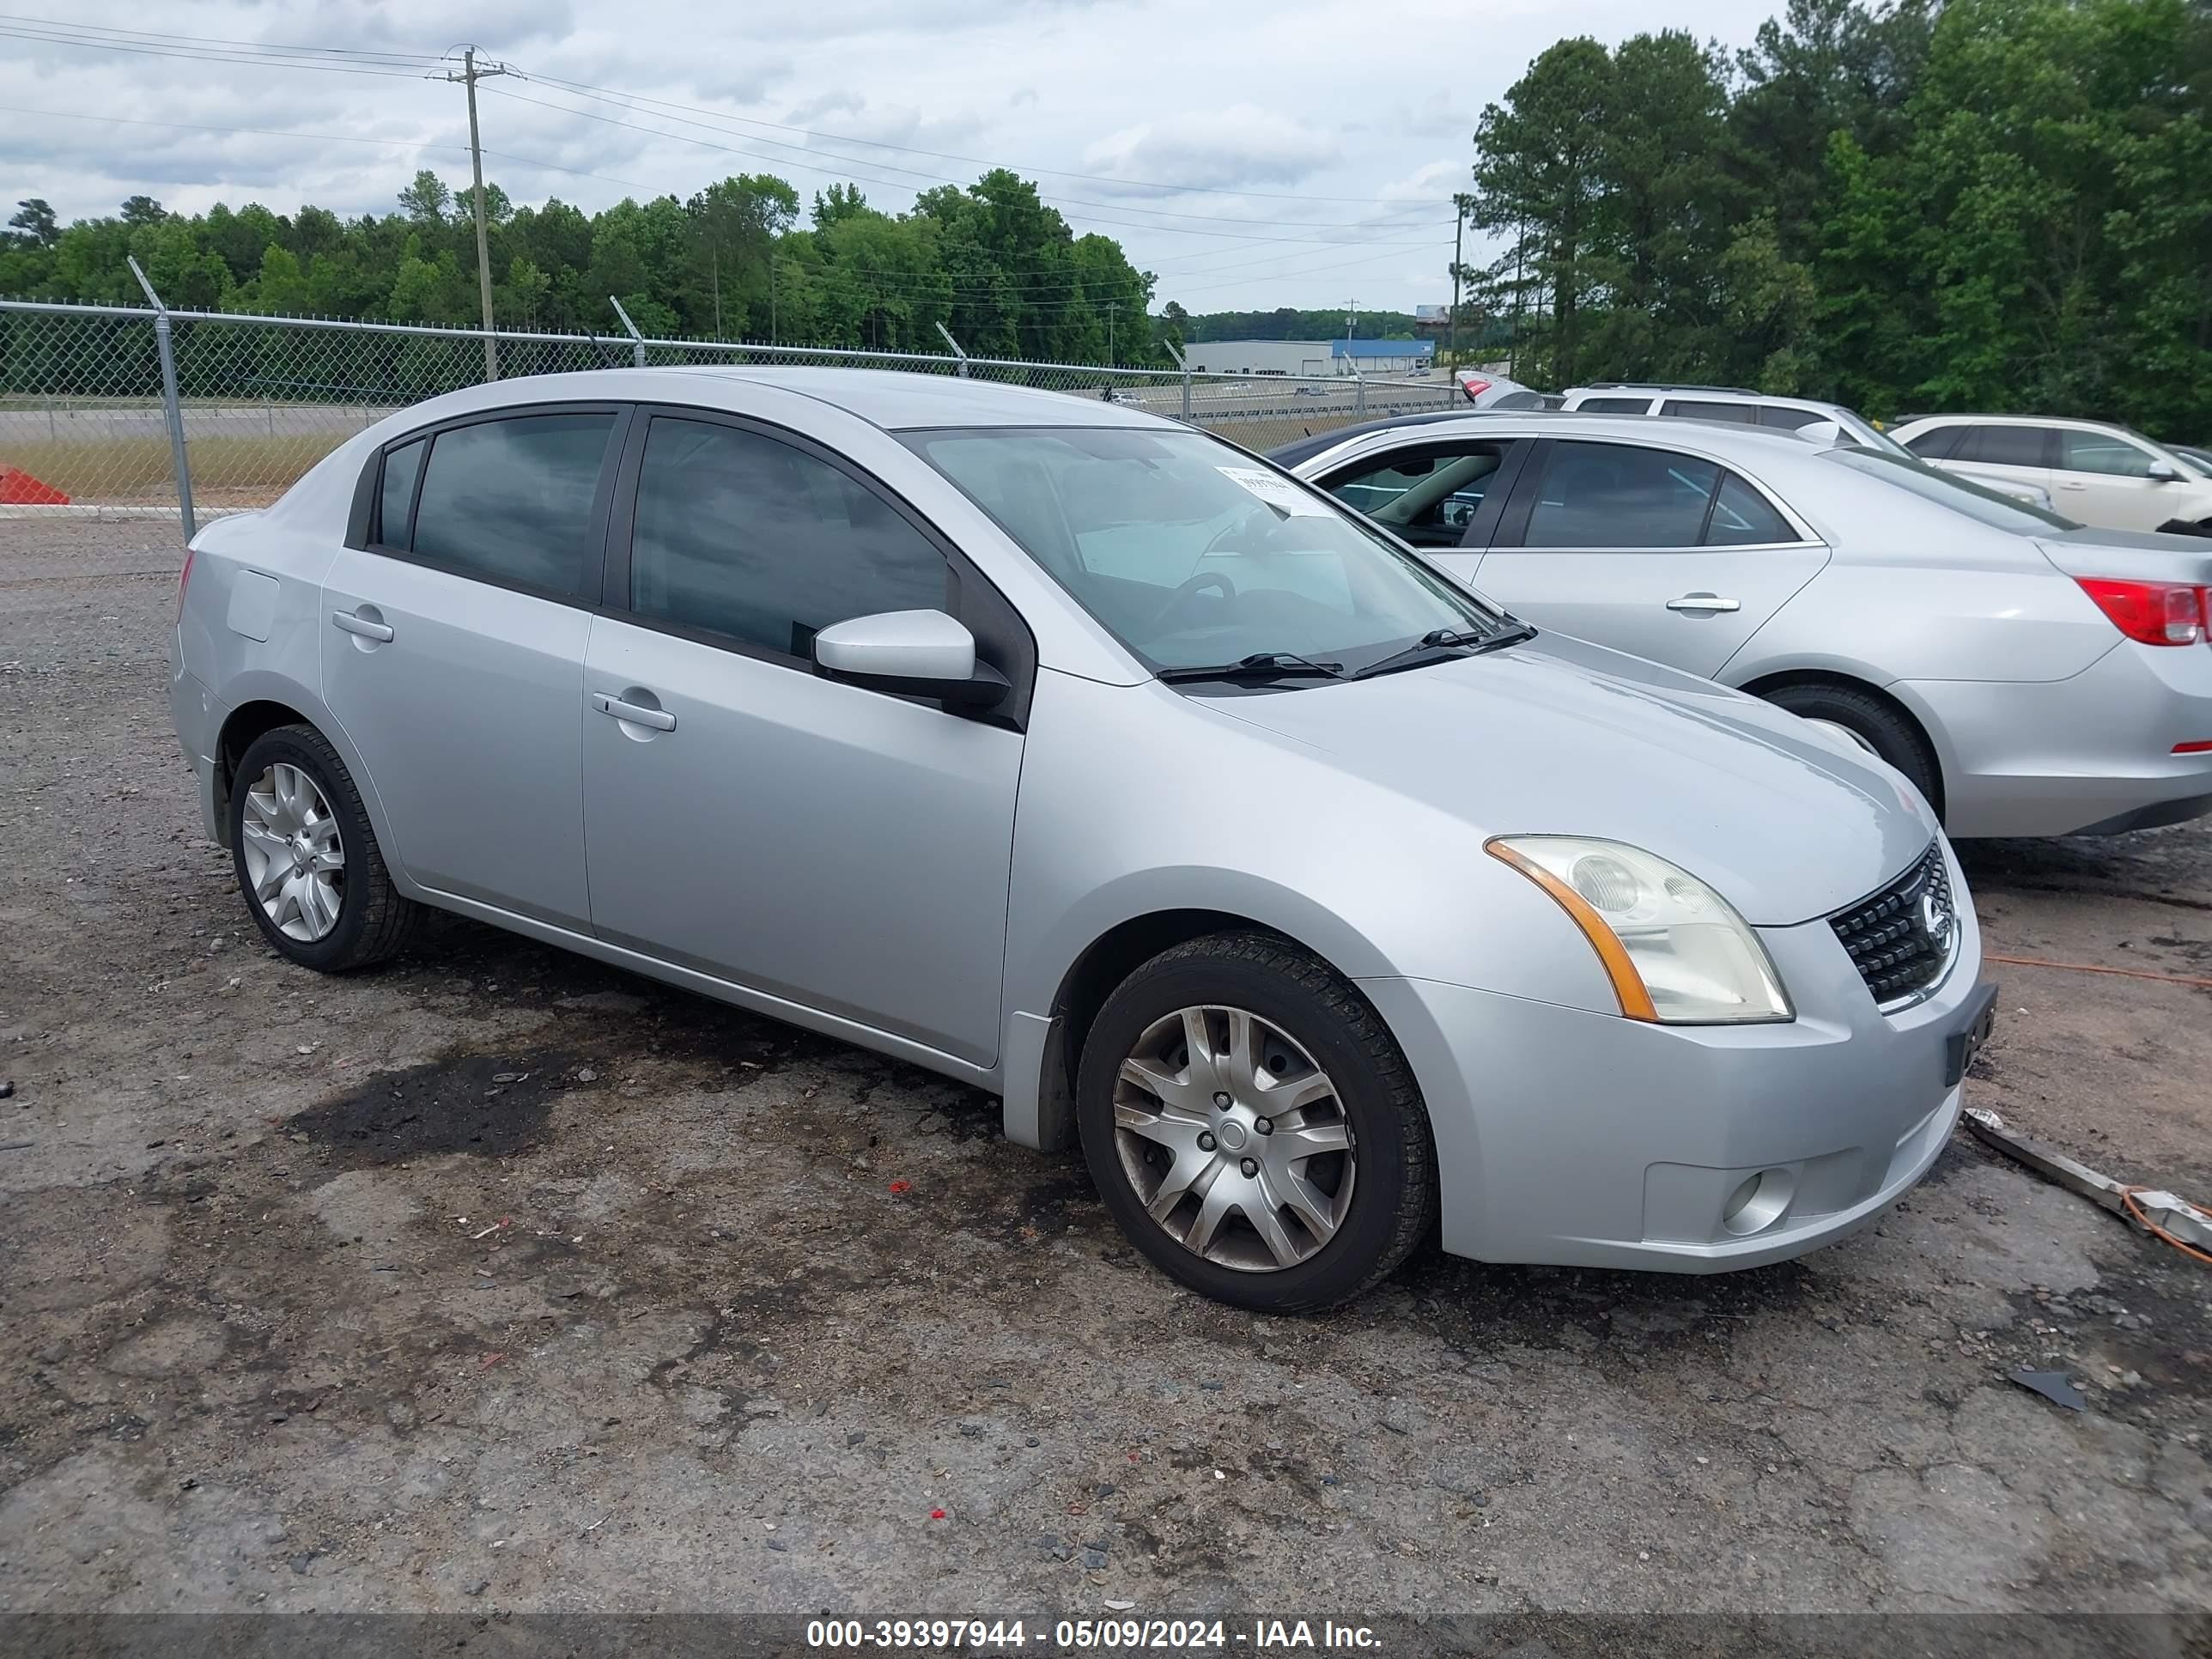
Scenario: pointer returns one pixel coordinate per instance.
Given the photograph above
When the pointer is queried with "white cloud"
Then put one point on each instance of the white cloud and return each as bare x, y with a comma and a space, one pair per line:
1291, 155
1217, 148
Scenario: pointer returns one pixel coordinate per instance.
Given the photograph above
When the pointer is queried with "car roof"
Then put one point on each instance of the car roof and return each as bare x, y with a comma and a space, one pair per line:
894, 399
1297, 450
1952, 419
1553, 423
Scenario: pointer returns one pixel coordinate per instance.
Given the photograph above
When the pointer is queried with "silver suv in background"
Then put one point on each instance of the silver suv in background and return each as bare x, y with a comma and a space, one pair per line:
1079, 755
2101, 474
2031, 676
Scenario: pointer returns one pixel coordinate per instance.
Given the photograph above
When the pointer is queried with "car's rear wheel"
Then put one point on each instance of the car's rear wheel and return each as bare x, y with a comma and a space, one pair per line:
1253, 1126
307, 858
1871, 723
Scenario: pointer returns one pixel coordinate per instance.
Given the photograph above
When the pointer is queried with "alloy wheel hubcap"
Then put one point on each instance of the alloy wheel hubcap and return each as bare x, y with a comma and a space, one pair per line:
294, 856
1234, 1139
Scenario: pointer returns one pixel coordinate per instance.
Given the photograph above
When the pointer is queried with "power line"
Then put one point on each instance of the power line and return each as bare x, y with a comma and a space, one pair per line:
605, 94
203, 56
217, 41
318, 137
851, 171
94, 34
1383, 223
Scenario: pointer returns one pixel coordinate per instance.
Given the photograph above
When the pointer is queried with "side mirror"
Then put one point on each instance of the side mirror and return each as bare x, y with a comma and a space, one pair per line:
2160, 472
923, 653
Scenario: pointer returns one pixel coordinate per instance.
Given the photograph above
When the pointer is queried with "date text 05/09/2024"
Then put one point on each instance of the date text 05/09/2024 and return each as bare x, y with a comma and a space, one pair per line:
1128, 1635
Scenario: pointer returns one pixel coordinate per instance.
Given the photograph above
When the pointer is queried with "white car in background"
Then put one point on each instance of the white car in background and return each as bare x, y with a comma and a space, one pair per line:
2108, 476
1739, 407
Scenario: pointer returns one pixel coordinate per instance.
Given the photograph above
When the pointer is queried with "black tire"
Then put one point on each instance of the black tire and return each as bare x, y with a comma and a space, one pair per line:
374, 919
1876, 722
1392, 1206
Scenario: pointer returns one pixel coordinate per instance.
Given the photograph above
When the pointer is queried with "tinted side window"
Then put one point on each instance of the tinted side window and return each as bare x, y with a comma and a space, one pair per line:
1938, 443
2005, 446
2095, 452
1613, 406
1744, 518
396, 495
1787, 419
1620, 495
511, 501
1690, 409
743, 535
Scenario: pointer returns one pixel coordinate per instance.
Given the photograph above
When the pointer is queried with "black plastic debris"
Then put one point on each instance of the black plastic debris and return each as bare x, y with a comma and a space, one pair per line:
2052, 1386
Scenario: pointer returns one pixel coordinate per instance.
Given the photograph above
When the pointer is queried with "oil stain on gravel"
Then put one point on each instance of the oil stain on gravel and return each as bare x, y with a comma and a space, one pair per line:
496, 1105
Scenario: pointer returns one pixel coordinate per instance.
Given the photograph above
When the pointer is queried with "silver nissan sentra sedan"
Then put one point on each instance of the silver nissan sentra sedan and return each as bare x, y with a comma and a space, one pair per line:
1081, 756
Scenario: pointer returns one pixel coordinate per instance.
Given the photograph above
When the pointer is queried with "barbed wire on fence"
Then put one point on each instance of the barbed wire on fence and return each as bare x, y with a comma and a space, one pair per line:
86, 424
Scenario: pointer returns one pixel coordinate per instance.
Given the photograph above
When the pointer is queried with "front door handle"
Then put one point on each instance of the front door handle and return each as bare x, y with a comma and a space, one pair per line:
1703, 602
351, 623
2071, 483
659, 720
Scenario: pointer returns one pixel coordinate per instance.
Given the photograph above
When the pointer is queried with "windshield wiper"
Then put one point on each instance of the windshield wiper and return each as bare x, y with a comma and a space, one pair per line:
1446, 638
1260, 665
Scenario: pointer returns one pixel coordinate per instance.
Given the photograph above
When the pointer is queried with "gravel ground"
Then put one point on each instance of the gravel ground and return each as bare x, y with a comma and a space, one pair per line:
498, 1280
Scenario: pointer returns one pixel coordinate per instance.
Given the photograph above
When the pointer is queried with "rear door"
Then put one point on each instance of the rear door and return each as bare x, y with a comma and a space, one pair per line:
2008, 453
1649, 550
2104, 478
452, 650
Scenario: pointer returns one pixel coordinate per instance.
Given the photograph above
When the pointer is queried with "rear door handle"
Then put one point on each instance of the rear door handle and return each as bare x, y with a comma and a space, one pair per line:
351, 623
2069, 483
1703, 602
658, 720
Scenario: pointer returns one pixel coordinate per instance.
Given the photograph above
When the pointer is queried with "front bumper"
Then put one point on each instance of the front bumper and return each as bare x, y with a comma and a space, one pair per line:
1575, 1138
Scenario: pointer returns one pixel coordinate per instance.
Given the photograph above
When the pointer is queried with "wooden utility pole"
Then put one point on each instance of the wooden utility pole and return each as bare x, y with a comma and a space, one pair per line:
1451, 323
470, 75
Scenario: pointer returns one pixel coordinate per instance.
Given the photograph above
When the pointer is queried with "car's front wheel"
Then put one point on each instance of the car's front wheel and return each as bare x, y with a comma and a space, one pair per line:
307, 858
1253, 1126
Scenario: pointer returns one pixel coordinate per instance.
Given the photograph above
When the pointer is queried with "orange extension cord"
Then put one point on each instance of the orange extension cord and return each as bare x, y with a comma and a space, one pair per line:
2093, 968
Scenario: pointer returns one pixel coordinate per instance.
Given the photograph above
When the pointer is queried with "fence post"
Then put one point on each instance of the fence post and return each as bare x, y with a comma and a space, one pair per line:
1182, 363
1359, 382
962, 370
172, 407
636, 339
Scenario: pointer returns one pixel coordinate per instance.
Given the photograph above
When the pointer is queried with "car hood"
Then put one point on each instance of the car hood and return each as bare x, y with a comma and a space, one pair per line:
1562, 737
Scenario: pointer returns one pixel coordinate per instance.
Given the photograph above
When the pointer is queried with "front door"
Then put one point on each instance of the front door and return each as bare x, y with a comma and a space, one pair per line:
1432, 495
1647, 549
2103, 479
453, 654
843, 849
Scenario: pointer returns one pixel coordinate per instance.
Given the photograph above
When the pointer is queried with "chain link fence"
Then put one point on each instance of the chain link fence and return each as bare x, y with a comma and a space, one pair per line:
123, 411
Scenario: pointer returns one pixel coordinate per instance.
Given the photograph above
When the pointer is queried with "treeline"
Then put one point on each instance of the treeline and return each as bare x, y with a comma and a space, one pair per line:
991, 262
1990, 204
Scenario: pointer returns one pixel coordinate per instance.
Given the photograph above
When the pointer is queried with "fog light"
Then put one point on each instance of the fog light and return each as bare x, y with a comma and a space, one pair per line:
1758, 1202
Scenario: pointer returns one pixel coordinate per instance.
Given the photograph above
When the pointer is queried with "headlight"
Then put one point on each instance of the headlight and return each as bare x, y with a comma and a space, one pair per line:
1676, 951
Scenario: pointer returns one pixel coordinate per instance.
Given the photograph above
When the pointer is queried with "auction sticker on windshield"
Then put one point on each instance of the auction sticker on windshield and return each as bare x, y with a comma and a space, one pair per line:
1280, 494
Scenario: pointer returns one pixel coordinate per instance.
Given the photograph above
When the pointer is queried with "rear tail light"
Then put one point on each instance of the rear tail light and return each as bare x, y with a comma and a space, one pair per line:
2150, 613
184, 580
1473, 388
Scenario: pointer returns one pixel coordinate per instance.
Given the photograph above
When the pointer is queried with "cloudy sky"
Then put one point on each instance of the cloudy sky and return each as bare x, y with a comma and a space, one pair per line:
1297, 152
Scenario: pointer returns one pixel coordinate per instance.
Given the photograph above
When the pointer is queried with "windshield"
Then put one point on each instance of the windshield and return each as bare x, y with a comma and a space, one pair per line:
1193, 553
1960, 495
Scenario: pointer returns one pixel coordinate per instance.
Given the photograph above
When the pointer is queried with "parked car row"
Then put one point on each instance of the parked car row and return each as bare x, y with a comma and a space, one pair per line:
1334, 876
2032, 677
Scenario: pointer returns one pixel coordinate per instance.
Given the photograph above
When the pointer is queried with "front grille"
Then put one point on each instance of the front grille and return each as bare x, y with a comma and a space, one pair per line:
1890, 937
